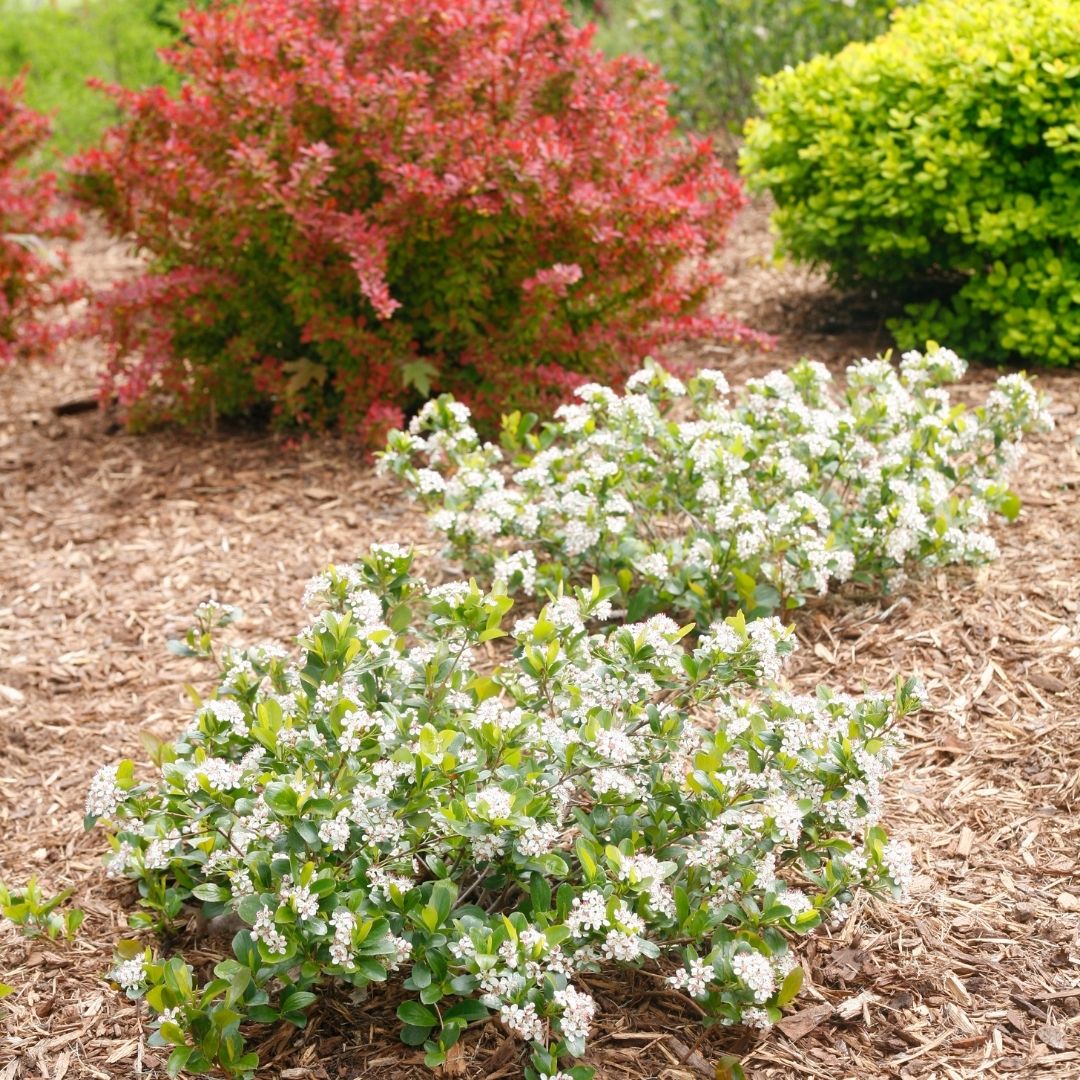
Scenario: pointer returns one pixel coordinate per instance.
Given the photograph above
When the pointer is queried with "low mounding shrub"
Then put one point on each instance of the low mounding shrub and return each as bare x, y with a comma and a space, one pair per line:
350, 203
379, 805
714, 51
681, 500
31, 276
940, 163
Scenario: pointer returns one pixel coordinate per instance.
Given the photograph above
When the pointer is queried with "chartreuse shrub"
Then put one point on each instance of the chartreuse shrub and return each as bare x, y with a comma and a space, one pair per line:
941, 160
352, 203
376, 806
682, 498
714, 51
64, 45
31, 274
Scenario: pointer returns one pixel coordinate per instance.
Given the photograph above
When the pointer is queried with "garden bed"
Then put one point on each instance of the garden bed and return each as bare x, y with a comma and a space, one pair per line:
109, 541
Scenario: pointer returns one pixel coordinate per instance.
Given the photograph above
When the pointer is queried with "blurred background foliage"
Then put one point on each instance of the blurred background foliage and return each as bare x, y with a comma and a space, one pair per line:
65, 42
713, 51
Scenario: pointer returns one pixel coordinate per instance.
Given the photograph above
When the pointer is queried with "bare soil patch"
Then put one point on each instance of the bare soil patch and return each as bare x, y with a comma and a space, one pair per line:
109, 541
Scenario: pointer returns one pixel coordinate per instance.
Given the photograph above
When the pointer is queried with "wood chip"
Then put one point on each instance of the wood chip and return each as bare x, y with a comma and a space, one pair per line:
965, 842
804, 1021
456, 1064
1054, 1037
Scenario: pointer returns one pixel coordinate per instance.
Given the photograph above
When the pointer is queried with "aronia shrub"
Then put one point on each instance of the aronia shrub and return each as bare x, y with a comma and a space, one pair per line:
352, 203
683, 498
382, 806
31, 274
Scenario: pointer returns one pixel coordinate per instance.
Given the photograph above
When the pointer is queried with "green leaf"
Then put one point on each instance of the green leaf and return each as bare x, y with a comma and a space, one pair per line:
281, 798
371, 969
414, 1036
416, 1015
467, 1010
539, 893
73, 919
418, 374
307, 830
443, 895
1010, 506
296, 1000
129, 948
585, 857
249, 907
178, 1059
210, 892
790, 987
172, 1033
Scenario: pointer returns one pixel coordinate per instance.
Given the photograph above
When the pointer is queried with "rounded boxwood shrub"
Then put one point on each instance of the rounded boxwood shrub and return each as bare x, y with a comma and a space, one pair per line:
352, 203
941, 162
31, 277
384, 805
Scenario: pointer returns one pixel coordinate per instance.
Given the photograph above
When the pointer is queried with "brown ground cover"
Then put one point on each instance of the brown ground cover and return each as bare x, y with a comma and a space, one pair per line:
109, 541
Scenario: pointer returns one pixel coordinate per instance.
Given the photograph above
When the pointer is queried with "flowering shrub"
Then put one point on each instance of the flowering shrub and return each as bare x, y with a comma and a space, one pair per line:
30, 277
940, 163
682, 500
351, 203
378, 805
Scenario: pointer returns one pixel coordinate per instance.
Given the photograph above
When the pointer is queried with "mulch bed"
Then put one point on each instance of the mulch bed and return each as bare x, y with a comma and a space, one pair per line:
108, 542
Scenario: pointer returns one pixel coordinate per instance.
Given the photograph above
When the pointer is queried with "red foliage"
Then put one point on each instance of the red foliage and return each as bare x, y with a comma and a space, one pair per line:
353, 203
31, 277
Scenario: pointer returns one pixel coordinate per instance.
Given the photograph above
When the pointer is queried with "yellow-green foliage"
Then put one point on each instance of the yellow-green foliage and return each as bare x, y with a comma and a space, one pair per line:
944, 156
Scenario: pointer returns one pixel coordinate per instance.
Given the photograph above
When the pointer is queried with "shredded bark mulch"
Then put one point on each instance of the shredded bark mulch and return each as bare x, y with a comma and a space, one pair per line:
108, 541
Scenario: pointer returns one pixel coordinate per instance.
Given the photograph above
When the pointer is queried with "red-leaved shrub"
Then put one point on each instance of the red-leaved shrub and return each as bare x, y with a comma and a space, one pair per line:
352, 203
31, 277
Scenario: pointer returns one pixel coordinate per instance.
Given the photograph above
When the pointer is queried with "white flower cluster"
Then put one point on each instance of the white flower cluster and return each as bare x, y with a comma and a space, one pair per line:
130, 974
265, 931
344, 923
686, 500
104, 795
377, 801
695, 979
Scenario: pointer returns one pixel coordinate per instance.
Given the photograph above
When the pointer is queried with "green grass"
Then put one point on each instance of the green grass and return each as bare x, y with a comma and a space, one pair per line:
66, 42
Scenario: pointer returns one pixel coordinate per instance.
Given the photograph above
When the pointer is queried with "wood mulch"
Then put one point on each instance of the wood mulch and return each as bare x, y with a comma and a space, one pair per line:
108, 542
